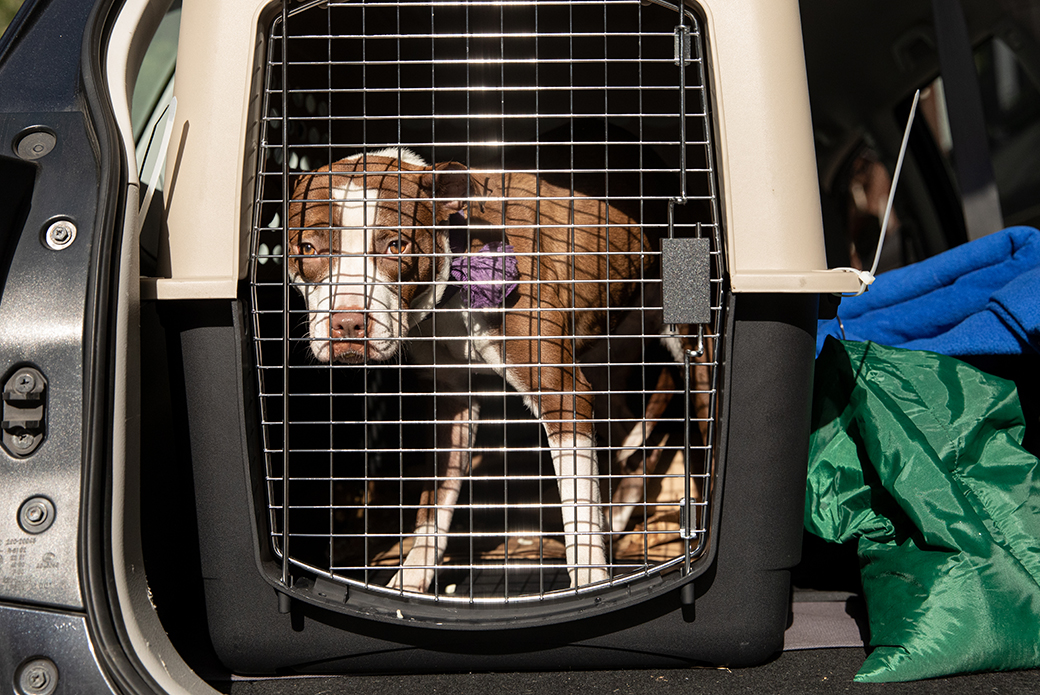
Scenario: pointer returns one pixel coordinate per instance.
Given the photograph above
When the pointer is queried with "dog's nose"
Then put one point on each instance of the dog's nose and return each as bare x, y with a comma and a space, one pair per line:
348, 324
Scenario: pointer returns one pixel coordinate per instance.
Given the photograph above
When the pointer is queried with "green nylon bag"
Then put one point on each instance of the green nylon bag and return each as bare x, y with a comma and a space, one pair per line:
919, 457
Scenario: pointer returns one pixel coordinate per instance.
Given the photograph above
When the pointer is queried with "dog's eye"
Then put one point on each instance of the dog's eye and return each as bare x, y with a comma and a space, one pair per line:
395, 247
307, 250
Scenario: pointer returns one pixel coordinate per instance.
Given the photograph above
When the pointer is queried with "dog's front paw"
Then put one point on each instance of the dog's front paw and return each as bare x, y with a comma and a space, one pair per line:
412, 579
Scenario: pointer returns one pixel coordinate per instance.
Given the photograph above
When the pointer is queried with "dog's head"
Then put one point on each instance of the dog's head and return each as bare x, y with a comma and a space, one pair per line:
368, 249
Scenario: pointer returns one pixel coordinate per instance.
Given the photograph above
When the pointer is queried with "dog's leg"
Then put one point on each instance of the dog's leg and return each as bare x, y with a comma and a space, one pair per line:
638, 488
701, 385
456, 428
556, 391
574, 461
630, 490
655, 408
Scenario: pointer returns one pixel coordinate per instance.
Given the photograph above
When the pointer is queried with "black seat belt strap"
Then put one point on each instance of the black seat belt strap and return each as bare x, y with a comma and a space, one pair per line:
973, 165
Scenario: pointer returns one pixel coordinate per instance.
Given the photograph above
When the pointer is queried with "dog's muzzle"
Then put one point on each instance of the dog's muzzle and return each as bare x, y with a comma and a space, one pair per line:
350, 340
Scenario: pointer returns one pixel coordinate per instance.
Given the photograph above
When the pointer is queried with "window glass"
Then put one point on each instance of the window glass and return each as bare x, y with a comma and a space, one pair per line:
868, 183
152, 94
1011, 104
156, 71
8, 9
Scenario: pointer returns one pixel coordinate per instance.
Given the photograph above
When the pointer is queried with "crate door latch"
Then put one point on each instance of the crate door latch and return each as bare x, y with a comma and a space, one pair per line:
686, 279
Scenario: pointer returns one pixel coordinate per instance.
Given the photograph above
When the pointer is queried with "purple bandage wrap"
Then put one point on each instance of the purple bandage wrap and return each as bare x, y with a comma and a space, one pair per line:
484, 278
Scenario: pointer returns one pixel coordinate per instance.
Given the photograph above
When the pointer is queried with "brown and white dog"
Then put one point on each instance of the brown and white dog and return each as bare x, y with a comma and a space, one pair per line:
370, 253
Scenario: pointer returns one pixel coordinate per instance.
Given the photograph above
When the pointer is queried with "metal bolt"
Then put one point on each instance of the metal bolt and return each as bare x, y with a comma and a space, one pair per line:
60, 235
25, 382
36, 515
37, 677
24, 441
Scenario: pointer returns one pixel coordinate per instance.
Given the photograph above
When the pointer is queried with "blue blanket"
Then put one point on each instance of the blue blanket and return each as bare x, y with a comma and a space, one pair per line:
981, 298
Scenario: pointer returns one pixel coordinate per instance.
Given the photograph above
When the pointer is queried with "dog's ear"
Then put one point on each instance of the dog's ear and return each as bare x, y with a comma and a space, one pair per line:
451, 184
297, 184
301, 184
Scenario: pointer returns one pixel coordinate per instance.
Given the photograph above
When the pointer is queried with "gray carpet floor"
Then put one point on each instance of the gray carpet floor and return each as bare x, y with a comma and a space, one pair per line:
804, 671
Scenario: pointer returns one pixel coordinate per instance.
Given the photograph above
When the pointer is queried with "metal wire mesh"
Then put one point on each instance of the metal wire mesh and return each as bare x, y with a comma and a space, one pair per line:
581, 136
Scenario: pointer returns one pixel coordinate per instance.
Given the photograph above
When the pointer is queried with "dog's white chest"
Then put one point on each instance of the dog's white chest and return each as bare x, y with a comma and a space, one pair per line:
456, 335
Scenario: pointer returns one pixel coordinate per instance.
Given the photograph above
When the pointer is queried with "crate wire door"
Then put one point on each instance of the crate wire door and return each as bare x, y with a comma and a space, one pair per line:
602, 99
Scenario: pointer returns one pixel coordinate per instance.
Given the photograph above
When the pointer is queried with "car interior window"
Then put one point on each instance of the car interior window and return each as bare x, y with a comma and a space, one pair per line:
865, 182
1011, 104
156, 71
8, 9
148, 113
